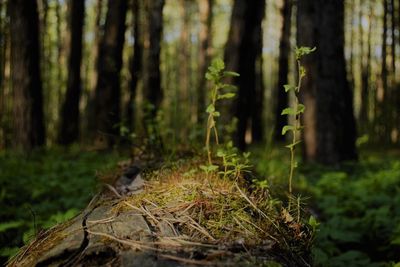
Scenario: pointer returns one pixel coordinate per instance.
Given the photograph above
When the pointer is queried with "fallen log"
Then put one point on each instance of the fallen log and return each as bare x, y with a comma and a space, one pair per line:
127, 225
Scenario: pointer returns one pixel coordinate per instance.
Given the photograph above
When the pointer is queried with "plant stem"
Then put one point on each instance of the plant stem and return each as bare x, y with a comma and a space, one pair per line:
211, 125
297, 126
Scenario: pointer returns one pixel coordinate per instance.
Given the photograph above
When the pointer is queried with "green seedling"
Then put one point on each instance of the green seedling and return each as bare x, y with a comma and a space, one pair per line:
295, 111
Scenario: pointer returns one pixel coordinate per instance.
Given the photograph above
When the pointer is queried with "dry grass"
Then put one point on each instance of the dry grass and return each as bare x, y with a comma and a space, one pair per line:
206, 209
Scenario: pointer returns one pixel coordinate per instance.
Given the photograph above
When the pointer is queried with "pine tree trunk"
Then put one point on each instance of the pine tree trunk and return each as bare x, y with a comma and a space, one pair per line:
240, 56
90, 108
152, 79
284, 50
393, 35
184, 63
365, 77
382, 94
205, 38
69, 131
108, 95
329, 133
135, 62
153, 93
257, 118
27, 85
2, 65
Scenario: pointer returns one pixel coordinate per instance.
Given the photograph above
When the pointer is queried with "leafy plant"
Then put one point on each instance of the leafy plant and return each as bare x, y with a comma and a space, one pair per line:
234, 164
220, 90
295, 111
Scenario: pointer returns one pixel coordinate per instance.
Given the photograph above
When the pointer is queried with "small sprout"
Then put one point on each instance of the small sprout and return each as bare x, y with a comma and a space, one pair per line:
313, 223
215, 74
296, 110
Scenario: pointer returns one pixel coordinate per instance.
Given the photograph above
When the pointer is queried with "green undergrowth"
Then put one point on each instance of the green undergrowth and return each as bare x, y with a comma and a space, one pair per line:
357, 205
44, 188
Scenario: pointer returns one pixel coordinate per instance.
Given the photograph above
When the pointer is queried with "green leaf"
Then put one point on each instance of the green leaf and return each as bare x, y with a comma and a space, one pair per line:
287, 128
209, 76
226, 96
208, 168
216, 114
210, 108
231, 74
304, 50
288, 111
218, 64
228, 87
313, 222
300, 109
289, 87
221, 153
10, 225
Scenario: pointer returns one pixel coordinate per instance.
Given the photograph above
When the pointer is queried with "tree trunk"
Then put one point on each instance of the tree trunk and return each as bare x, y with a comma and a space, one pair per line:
152, 79
70, 110
90, 108
107, 96
393, 35
135, 62
205, 38
257, 118
351, 60
329, 133
184, 66
59, 50
26, 80
382, 93
153, 93
365, 76
2, 65
240, 56
284, 51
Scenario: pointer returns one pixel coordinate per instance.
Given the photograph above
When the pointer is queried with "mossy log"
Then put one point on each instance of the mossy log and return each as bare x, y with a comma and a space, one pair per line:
114, 230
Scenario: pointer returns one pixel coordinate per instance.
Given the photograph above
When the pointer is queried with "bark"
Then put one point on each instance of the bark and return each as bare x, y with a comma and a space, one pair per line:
2, 55
257, 125
284, 51
351, 60
329, 133
152, 80
59, 49
383, 93
205, 38
184, 64
90, 108
240, 56
135, 62
27, 85
108, 95
153, 93
365, 76
2, 65
393, 35
70, 110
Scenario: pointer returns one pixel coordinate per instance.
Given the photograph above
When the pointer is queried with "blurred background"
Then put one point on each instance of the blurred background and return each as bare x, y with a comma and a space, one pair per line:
84, 84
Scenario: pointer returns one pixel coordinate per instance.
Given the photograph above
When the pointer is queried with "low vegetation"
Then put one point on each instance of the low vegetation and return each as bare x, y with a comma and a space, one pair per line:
45, 188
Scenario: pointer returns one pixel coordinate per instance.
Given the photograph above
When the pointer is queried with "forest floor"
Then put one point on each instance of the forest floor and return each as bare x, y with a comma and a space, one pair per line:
356, 204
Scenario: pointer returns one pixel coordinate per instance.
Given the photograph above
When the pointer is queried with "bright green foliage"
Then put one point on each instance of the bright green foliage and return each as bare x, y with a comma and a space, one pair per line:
220, 90
295, 111
43, 189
